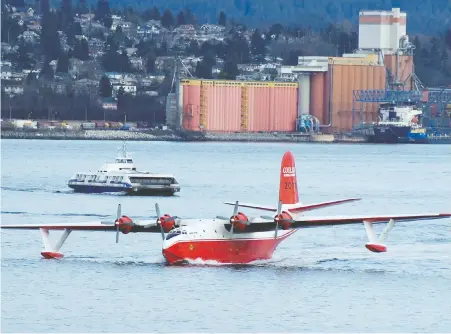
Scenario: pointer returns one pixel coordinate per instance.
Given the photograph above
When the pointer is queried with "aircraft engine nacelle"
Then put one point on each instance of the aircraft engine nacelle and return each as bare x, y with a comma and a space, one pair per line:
238, 221
284, 219
125, 224
167, 223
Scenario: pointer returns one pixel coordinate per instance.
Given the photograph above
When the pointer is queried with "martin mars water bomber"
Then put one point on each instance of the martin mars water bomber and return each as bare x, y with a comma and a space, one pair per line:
238, 239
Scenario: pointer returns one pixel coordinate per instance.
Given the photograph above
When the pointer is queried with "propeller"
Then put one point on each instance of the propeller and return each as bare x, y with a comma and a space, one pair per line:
118, 222
165, 219
278, 218
232, 219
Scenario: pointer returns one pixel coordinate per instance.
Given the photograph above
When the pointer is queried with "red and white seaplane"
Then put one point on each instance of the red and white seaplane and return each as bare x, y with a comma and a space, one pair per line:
235, 240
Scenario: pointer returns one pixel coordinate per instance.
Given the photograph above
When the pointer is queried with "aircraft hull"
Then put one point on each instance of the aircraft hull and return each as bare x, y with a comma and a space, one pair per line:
225, 251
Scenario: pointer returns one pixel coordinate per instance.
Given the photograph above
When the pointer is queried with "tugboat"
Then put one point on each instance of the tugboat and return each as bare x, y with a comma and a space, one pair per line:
121, 176
429, 136
395, 124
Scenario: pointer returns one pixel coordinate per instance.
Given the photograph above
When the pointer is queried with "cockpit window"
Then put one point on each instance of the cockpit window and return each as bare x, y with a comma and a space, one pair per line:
175, 233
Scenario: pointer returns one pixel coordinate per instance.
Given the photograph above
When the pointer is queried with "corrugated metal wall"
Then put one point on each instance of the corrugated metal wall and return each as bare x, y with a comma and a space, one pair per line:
223, 106
191, 107
220, 105
272, 107
317, 96
404, 71
345, 79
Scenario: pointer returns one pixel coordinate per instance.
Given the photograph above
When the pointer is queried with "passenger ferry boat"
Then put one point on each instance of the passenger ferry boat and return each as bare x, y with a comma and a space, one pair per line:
122, 176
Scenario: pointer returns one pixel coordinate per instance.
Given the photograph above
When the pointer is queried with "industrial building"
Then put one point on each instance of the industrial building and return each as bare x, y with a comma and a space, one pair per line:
322, 89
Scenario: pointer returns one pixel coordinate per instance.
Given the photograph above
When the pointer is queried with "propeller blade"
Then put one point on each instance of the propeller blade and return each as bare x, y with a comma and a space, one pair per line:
107, 223
267, 217
279, 208
117, 234
223, 218
162, 232
118, 211
235, 210
157, 209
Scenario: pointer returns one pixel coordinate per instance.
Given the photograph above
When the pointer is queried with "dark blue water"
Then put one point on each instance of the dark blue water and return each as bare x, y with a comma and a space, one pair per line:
319, 279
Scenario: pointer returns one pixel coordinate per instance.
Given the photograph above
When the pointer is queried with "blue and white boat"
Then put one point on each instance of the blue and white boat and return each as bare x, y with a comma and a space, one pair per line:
122, 176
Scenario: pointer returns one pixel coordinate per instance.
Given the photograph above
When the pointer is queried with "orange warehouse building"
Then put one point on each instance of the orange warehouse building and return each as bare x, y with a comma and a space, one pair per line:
254, 106
231, 106
342, 80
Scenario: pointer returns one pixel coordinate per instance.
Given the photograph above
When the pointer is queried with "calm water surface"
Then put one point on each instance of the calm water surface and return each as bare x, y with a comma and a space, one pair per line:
319, 279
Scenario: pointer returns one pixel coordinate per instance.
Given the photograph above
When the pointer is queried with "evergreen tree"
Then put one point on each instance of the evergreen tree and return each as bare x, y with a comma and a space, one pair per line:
110, 58
10, 28
102, 10
193, 48
44, 6
257, 43
444, 58
105, 88
124, 62
122, 101
275, 29
50, 40
167, 20
25, 58
204, 67
189, 16
63, 63
181, 19
150, 61
82, 7
155, 14
81, 49
66, 15
448, 37
107, 21
239, 46
434, 55
222, 20
230, 70
47, 71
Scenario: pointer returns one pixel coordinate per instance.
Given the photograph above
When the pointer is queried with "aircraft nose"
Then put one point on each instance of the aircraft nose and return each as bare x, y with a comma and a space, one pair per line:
170, 257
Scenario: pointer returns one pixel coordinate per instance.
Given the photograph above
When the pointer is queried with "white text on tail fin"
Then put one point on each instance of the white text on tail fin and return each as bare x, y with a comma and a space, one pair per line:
288, 190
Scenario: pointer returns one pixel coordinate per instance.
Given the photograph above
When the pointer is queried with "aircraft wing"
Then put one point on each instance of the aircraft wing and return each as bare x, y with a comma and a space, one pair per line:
296, 208
254, 206
141, 226
309, 222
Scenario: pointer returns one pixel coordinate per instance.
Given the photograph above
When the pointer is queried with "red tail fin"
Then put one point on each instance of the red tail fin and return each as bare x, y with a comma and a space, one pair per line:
288, 190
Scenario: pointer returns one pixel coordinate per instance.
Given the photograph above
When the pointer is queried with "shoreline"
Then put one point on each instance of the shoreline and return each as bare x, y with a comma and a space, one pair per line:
176, 136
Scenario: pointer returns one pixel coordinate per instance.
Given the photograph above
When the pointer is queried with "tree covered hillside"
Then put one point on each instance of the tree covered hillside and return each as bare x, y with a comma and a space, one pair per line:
427, 16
